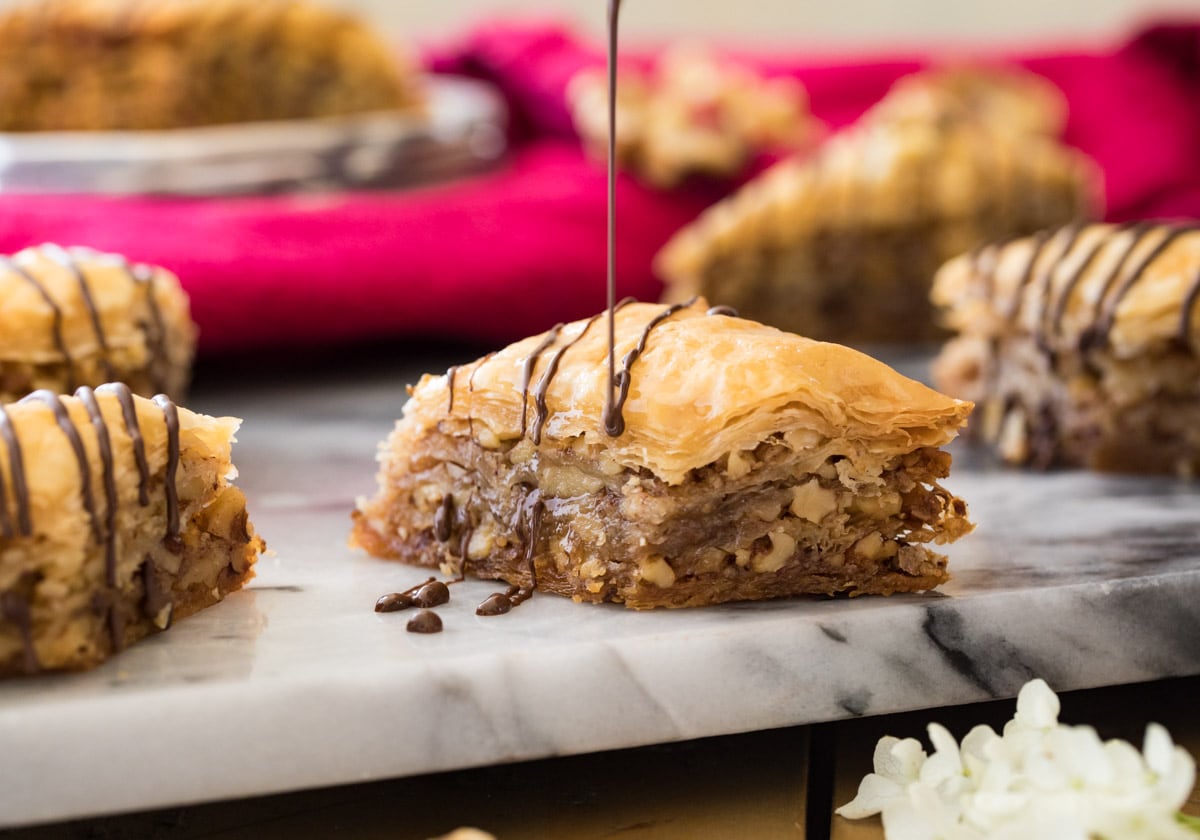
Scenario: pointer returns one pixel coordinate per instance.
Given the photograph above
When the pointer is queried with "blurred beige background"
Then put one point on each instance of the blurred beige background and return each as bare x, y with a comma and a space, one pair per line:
831, 23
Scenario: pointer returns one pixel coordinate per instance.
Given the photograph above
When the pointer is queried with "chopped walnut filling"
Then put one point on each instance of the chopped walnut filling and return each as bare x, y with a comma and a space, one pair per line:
759, 523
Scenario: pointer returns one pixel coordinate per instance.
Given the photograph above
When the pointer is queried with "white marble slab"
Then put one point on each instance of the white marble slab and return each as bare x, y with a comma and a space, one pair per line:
297, 683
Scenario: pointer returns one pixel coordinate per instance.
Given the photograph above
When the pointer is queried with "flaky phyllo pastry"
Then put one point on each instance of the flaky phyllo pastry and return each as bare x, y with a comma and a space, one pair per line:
116, 518
843, 245
752, 464
1082, 345
74, 316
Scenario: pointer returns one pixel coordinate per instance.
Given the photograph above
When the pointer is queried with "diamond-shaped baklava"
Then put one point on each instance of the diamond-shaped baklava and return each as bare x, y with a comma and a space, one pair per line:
116, 518
1082, 345
736, 462
843, 245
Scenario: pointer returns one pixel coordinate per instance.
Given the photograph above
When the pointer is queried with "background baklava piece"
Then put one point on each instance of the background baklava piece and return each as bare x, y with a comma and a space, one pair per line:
843, 246
1082, 345
143, 64
73, 316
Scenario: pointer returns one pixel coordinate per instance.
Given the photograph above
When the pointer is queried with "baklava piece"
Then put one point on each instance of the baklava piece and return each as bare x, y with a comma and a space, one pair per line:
159, 65
72, 317
116, 518
1005, 99
1082, 345
843, 245
738, 463
692, 115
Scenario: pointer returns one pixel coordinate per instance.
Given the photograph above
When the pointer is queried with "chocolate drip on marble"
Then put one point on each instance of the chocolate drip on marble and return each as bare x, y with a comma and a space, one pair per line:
60, 343
614, 420
1106, 314
129, 412
104, 446
171, 418
426, 621
51, 401
15, 610
64, 258
429, 593
16, 472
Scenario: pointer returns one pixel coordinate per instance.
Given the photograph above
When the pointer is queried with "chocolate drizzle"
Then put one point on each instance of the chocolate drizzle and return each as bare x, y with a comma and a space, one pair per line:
1106, 312
527, 371
63, 419
443, 519
15, 610
16, 472
60, 343
614, 421
156, 342
171, 418
499, 603
133, 428
64, 258
104, 445
1185, 317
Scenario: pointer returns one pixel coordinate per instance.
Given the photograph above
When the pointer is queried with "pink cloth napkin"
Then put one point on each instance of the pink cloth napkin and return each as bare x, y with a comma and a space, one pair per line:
507, 254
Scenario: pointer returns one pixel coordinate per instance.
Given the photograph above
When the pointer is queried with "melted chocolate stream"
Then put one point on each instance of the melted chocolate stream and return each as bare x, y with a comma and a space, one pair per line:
443, 518
57, 323
64, 258
104, 445
612, 410
133, 428
63, 419
614, 421
527, 371
16, 470
171, 418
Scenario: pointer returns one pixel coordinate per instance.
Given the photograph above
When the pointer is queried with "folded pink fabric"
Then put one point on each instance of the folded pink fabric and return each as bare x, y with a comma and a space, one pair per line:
503, 255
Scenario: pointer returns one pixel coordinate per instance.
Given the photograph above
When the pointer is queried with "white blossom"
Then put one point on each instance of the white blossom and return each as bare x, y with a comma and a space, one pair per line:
1038, 780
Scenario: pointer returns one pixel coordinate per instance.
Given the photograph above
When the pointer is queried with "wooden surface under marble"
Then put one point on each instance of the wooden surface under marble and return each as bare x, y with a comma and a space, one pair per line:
743, 786
296, 684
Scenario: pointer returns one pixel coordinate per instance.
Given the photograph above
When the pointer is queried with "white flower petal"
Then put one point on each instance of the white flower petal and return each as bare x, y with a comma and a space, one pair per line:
1037, 706
1158, 748
875, 792
898, 760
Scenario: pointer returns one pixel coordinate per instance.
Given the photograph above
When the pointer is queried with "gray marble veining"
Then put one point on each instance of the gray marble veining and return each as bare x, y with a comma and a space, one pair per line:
1084, 580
